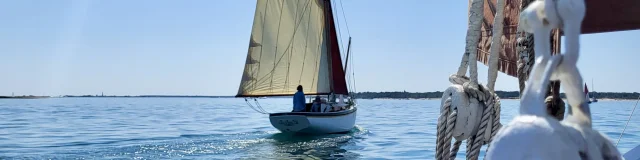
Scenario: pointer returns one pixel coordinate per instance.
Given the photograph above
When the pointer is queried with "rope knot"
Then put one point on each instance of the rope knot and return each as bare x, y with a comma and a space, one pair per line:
487, 107
458, 79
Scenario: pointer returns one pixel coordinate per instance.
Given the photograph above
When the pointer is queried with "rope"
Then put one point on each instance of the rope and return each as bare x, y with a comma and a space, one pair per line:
260, 106
496, 43
625, 126
441, 148
353, 73
477, 143
526, 58
575, 135
335, 12
254, 108
446, 121
496, 118
344, 16
473, 90
454, 150
524, 48
473, 33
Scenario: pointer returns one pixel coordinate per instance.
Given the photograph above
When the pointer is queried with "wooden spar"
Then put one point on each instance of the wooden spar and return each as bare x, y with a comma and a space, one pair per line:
346, 62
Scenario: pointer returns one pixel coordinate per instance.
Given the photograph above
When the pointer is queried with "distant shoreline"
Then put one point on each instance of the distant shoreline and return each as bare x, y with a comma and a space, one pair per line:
359, 95
565, 99
501, 94
23, 97
45, 97
85, 96
146, 96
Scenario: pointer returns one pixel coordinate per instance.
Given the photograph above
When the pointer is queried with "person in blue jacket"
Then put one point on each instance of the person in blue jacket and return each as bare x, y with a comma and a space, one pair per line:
298, 100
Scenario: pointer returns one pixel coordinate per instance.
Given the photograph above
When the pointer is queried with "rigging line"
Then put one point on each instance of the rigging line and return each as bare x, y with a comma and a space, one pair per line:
625, 126
344, 16
275, 54
260, 106
353, 70
339, 36
249, 104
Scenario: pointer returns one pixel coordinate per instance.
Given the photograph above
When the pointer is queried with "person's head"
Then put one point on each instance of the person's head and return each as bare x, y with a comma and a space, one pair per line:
317, 99
299, 88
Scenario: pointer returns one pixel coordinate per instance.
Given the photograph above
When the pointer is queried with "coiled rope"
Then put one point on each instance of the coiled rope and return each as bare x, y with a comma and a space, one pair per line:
447, 119
471, 100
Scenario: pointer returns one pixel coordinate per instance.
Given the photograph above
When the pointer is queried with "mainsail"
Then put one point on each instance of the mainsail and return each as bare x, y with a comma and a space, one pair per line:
611, 16
602, 16
293, 42
508, 61
586, 91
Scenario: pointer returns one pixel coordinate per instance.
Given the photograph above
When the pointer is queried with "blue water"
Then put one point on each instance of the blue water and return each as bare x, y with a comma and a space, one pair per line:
208, 128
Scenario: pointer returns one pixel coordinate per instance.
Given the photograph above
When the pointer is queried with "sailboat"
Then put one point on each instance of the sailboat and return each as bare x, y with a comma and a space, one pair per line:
294, 42
593, 95
586, 93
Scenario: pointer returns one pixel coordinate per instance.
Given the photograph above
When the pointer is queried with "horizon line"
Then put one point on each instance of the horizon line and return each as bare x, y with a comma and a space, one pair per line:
186, 95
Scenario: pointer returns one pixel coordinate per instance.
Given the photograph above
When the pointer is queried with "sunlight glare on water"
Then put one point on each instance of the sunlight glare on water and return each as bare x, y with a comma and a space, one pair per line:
226, 128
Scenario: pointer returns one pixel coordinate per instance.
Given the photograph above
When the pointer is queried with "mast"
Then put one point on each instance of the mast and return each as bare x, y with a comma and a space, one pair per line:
346, 62
337, 75
593, 95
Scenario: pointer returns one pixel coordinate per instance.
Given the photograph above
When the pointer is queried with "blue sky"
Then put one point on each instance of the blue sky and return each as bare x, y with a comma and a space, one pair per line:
198, 47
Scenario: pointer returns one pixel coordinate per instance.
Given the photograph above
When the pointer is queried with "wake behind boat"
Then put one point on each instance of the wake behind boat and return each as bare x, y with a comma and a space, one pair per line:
294, 43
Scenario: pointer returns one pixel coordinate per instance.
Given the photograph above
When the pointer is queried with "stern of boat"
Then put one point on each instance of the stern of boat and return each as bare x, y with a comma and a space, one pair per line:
289, 123
315, 122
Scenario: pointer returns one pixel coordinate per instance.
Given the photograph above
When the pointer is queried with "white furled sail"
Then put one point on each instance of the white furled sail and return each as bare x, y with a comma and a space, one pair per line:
292, 43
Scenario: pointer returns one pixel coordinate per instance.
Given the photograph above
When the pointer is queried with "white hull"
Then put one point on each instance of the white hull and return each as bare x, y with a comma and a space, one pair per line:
315, 122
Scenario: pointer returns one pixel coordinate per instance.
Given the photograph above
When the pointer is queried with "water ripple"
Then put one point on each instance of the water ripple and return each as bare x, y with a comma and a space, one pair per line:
200, 128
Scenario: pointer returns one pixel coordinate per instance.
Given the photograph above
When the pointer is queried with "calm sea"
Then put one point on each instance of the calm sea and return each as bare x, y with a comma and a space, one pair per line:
226, 128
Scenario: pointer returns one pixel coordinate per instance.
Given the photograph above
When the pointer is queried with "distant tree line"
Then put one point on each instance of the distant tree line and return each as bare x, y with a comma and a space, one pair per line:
501, 94
151, 96
612, 95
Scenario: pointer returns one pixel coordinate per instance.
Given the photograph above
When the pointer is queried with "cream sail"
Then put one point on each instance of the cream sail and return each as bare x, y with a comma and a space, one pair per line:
291, 45
294, 42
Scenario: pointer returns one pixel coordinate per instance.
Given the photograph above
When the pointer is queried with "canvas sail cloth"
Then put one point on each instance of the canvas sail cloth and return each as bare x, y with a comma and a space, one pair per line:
611, 16
601, 16
508, 61
293, 42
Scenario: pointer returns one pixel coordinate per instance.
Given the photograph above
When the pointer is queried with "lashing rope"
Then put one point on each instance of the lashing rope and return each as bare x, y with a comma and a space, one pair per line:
257, 108
446, 121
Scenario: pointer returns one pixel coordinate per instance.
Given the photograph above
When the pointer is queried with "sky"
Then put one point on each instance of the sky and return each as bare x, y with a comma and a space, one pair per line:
198, 47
